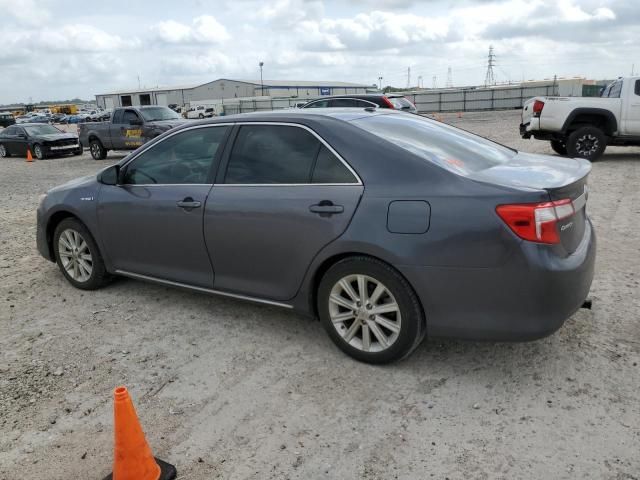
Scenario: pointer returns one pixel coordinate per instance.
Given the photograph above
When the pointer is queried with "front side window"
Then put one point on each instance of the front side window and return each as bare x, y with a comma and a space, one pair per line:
129, 115
616, 89
184, 158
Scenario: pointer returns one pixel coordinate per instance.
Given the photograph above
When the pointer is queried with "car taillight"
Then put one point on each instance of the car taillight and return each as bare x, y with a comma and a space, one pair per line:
536, 222
538, 105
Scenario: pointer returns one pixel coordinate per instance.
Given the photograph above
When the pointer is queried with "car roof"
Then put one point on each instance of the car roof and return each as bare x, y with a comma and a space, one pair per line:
359, 95
301, 115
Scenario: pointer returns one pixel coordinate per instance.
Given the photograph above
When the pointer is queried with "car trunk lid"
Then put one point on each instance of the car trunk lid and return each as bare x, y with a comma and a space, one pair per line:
564, 180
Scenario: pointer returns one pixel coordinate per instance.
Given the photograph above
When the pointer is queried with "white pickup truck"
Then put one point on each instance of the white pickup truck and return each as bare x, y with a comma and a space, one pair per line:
584, 126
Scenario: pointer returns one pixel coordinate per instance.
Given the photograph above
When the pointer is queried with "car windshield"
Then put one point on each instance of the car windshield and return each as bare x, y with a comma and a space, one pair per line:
452, 148
159, 113
41, 130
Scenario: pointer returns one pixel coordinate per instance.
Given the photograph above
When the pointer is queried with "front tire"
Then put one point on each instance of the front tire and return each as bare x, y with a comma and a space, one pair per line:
586, 142
78, 256
559, 147
98, 152
38, 151
370, 311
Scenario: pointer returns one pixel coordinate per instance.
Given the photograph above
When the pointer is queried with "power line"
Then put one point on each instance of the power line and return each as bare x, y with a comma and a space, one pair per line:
490, 78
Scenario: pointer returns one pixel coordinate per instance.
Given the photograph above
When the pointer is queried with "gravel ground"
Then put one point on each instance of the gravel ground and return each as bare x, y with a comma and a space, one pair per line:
233, 390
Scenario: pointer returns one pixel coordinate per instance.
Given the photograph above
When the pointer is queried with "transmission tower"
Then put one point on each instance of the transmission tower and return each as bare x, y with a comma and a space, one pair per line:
490, 78
435, 82
408, 77
449, 78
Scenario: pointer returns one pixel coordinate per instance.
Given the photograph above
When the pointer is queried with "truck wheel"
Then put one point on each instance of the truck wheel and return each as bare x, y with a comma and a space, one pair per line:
586, 142
98, 152
559, 147
201, 116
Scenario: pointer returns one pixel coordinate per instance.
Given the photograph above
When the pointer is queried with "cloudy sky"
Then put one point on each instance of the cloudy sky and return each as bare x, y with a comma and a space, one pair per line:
57, 49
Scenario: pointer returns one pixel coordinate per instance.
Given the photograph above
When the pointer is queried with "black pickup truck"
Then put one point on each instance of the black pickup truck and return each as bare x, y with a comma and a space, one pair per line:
127, 129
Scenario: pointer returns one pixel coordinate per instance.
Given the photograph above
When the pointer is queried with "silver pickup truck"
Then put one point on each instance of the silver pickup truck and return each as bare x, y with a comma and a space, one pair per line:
127, 129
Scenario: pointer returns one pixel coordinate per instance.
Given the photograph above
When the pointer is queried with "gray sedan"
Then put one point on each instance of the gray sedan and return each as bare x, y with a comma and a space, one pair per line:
387, 226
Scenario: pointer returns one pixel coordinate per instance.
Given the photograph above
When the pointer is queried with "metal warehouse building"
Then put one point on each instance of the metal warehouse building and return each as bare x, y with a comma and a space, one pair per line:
224, 88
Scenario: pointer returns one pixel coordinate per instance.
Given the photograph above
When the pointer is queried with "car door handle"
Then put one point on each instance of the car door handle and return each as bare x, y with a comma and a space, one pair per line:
326, 207
188, 203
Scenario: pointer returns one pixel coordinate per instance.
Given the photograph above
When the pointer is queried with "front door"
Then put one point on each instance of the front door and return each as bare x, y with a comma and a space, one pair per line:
152, 223
284, 196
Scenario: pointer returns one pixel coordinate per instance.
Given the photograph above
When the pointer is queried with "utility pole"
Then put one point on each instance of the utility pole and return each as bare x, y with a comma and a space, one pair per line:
489, 78
380, 81
419, 81
449, 78
408, 77
261, 82
139, 82
435, 82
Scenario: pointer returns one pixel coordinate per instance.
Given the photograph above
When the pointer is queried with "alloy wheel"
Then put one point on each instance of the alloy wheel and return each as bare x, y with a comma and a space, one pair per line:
3, 151
364, 313
75, 255
95, 150
587, 144
37, 150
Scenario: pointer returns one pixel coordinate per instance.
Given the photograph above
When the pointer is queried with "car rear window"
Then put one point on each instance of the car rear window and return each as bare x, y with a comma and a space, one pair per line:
400, 103
452, 148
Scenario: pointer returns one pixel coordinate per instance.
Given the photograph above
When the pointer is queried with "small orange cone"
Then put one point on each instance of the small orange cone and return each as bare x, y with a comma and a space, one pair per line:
29, 157
132, 457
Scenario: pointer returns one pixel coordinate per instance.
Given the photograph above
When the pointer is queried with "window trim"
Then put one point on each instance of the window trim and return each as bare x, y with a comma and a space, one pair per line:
288, 124
371, 104
149, 145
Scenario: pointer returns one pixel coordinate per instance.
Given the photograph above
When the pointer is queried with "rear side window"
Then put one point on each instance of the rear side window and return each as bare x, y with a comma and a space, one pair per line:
279, 154
616, 89
329, 169
454, 149
318, 104
11, 131
637, 87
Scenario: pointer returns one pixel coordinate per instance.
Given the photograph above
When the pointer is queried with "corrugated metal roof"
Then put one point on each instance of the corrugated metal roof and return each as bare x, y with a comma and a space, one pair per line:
266, 83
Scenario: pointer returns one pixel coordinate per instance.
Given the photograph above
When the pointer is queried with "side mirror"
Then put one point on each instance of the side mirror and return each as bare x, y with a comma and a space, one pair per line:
109, 176
135, 121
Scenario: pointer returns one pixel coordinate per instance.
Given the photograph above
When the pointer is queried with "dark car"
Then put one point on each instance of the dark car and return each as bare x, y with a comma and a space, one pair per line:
43, 140
6, 119
375, 100
386, 225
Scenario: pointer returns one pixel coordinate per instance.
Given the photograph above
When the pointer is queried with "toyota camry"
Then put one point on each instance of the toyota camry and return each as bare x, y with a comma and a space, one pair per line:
387, 226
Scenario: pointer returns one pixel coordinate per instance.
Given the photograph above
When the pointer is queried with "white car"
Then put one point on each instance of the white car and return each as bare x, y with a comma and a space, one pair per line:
584, 126
201, 111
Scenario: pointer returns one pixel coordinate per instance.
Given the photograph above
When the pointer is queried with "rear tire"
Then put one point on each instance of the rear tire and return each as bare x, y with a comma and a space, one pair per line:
586, 142
98, 152
78, 256
559, 147
372, 330
4, 153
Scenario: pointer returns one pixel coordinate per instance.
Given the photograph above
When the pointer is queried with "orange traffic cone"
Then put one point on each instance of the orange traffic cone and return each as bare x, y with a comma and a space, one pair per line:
132, 457
29, 157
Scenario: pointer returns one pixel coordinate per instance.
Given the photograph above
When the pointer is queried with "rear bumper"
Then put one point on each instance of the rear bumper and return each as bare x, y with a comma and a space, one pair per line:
530, 297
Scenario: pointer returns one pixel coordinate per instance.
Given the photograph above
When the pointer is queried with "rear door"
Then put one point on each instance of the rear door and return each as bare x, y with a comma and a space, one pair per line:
281, 196
151, 224
631, 120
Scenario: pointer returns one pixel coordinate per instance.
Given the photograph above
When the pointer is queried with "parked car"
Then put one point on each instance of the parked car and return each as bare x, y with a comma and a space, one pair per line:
6, 119
201, 111
374, 100
43, 140
127, 129
386, 225
584, 126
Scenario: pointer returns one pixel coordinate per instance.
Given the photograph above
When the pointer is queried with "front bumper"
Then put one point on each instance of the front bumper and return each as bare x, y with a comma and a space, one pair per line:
530, 297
